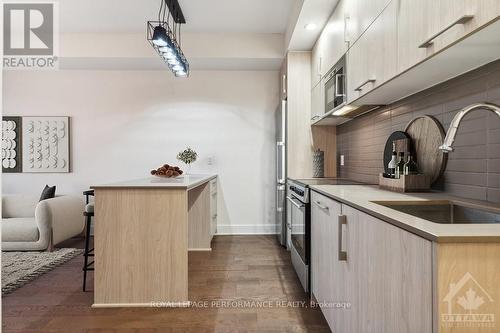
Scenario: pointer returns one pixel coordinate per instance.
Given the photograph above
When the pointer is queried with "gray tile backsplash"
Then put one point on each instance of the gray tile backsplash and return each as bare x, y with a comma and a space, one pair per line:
473, 169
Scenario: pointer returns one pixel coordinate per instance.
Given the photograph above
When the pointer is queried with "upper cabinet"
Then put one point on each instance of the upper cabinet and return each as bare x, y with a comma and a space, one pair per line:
316, 59
417, 20
333, 42
317, 101
331, 45
458, 18
373, 58
428, 26
360, 15
397, 48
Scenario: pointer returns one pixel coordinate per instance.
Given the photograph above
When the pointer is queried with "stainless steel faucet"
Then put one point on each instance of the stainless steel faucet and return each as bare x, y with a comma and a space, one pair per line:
446, 147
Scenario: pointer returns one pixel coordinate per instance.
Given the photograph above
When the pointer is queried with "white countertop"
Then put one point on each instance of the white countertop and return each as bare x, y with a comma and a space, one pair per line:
184, 181
361, 197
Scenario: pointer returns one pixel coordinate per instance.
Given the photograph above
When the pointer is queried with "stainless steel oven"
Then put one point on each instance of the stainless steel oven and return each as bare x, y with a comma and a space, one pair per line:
299, 208
335, 87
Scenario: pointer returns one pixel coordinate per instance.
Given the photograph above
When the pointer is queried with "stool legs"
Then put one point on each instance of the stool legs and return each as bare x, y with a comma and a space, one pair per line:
87, 253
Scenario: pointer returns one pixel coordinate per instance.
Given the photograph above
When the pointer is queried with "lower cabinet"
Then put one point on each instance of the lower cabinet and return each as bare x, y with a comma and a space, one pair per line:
324, 213
368, 275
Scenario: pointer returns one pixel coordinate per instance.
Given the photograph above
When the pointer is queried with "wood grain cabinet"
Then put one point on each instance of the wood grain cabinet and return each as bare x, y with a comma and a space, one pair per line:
360, 15
456, 19
383, 272
316, 60
428, 26
417, 20
334, 44
317, 101
389, 38
372, 60
323, 232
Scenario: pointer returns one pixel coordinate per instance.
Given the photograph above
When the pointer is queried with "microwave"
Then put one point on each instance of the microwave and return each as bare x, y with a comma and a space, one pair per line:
335, 86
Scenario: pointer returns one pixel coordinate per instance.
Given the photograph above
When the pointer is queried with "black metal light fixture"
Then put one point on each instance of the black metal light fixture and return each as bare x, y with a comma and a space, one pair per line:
165, 37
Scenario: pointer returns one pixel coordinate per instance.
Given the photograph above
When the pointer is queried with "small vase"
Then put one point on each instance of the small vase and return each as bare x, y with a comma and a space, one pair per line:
188, 168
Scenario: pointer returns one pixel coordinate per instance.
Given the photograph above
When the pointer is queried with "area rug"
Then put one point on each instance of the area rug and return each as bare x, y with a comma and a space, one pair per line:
18, 268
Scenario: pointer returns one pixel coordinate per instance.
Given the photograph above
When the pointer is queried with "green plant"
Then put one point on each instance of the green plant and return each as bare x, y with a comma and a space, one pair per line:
187, 156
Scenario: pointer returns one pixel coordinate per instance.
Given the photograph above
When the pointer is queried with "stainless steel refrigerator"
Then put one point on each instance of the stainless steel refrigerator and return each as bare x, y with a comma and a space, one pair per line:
281, 221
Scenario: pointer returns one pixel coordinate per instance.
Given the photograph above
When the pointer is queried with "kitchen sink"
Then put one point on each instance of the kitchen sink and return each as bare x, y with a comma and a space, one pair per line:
444, 211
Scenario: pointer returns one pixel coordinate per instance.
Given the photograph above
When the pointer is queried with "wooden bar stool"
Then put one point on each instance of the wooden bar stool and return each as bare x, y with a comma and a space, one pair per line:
89, 252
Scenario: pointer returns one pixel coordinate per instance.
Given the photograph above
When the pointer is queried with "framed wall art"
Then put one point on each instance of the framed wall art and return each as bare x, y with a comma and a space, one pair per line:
11, 144
46, 144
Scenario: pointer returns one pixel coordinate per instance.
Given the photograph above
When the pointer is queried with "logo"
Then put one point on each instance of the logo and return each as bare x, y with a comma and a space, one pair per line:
29, 35
468, 305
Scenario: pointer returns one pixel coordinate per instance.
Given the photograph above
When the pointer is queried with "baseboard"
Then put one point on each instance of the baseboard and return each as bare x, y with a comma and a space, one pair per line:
247, 229
143, 305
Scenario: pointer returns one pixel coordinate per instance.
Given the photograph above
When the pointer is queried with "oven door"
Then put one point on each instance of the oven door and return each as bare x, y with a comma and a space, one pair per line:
298, 233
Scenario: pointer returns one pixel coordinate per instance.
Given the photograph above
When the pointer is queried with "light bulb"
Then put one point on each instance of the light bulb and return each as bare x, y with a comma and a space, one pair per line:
177, 68
160, 37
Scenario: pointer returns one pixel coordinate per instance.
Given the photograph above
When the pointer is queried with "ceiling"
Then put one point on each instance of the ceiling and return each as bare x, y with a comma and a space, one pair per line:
130, 16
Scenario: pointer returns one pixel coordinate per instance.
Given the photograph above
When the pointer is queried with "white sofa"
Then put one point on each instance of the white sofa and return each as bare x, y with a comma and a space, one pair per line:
29, 225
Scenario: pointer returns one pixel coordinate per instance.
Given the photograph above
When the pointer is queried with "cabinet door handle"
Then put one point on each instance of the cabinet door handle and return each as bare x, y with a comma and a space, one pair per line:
342, 222
283, 82
460, 20
317, 203
299, 206
360, 87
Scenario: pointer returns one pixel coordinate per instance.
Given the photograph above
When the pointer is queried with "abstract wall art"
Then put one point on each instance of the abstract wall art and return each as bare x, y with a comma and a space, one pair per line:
11, 144
46, 144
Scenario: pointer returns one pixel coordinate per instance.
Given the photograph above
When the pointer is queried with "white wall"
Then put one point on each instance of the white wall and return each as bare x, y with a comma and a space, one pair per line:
125, 123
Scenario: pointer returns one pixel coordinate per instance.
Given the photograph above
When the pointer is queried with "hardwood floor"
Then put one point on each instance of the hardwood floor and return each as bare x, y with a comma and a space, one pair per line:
239, 269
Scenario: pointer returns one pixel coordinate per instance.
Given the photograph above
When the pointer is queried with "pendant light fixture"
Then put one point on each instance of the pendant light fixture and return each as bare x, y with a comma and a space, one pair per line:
164, 36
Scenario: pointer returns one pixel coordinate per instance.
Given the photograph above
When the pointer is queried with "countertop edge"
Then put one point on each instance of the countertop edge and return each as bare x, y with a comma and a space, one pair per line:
409, 228
187, 187
201, 182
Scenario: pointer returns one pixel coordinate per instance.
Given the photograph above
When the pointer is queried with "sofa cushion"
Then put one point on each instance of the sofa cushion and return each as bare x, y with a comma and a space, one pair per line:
18, 205
48, 192
19, 229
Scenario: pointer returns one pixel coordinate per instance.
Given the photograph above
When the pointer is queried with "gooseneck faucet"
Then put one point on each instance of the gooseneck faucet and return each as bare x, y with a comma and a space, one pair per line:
446, 147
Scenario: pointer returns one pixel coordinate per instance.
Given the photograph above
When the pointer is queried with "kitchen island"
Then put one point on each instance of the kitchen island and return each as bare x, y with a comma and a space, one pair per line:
144, 229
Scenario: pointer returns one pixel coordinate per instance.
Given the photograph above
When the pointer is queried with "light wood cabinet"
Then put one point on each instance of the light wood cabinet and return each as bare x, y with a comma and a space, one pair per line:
382, 271
317, 101
316, 59
389, 38
334, 44
416, 21
299, 150
373, 58
456, 19
323, 261
360, 15
389, 276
